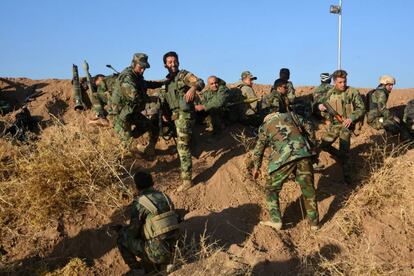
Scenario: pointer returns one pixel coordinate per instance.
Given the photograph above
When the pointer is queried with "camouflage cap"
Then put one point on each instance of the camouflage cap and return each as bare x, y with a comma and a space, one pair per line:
141, 59
247, 74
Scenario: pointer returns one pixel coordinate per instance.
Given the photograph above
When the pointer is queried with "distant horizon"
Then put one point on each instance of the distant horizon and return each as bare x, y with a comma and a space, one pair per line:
42, 39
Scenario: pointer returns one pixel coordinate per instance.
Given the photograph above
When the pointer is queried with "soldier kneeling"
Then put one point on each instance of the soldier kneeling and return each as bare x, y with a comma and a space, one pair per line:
153, 230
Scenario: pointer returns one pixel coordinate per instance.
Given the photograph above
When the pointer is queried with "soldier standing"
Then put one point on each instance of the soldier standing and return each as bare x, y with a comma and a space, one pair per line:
323, 88
347, 102
379, 116
153, 229
129, 99
212, 103
179, 94
277, 100
291, 153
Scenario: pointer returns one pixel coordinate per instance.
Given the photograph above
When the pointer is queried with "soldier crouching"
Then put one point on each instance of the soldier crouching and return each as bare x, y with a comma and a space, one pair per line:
153, 229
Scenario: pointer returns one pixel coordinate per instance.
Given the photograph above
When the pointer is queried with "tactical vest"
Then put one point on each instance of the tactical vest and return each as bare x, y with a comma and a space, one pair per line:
158, 224
343, 105
175, 91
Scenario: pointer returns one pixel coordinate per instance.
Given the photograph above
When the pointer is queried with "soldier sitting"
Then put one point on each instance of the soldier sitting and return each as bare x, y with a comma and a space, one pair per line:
153, 229
379, 116
291, 153
212, 102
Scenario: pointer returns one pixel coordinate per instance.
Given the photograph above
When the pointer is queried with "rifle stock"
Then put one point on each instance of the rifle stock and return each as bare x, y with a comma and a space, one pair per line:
331, 111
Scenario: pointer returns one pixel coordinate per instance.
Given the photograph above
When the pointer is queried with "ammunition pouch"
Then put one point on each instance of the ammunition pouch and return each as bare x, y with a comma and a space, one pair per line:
158, 224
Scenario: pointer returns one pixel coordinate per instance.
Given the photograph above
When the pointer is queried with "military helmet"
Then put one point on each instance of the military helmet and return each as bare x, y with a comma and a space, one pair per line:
387, 79
325, 77
141, 59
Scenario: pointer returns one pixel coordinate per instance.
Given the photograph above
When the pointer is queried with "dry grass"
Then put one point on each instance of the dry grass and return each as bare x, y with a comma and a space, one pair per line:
68, 169
377, 216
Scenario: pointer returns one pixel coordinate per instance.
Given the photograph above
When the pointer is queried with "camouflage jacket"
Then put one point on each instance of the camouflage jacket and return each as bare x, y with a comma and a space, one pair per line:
280, 132
139, 214
321, 91
107, 85
131, 89
277, 102
248, 93
348, 104
214, 100
173, 93
378, 104
291, 92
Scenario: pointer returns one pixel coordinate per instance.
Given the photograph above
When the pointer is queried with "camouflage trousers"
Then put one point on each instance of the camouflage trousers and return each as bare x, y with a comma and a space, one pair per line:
332, 133
184, 126
99, 100
213, 119
154, 254
392, 127
129, 123
303, 171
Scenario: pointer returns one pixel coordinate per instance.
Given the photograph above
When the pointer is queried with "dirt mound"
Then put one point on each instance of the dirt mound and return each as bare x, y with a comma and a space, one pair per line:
367, 228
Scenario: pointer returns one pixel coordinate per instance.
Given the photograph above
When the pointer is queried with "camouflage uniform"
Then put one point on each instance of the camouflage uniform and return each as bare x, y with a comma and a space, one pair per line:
348, 104
128, 101
133, 240
320, 92
101, 100
213, 102
248, 93
290, 92
379, 116
183, 115
290, 154
277, 102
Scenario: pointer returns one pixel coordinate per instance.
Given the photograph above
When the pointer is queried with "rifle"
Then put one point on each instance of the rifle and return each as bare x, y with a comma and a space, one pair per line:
331, 111
309, 143
77, 93
246, 101
110, 67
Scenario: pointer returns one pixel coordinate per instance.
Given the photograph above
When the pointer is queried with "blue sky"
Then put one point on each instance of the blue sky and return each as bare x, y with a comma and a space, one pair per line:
41, 39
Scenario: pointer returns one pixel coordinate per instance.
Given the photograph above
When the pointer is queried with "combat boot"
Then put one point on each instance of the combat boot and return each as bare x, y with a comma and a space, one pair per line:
187, 184
274, 225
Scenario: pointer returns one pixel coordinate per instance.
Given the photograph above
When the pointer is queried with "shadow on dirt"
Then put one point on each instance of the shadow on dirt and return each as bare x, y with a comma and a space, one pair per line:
308, 265
230, 226
88, 245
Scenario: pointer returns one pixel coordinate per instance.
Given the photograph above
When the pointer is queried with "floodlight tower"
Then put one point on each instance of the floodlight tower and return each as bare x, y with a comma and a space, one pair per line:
337, 9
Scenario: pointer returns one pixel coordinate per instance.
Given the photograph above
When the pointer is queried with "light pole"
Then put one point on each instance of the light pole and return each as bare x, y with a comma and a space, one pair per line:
337, 9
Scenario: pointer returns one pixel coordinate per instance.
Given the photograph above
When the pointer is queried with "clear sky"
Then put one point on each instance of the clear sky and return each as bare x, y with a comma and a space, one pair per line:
41, 39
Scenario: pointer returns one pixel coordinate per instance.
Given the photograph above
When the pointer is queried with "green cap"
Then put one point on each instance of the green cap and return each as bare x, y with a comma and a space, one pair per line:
247, 74
141, 59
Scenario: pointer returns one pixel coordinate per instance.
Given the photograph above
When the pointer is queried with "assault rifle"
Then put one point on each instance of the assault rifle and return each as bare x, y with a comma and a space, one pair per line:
331, 111
246, 101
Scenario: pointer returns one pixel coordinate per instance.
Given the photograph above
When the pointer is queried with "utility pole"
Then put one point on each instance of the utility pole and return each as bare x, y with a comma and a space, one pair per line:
337, 9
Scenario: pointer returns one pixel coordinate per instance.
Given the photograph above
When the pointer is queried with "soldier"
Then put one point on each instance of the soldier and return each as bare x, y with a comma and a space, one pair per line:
250, 110
101, 100
277, 100
212, 103
179, 95
284, 74
291, 153
153, 229
379, 116
128, 101
408, 118
347, 102
323, 88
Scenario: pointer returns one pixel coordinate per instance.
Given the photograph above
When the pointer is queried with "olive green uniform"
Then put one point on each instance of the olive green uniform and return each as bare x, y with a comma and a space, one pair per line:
152, 232
101, 100
128, 101
173, 94
348, 104
290, 153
